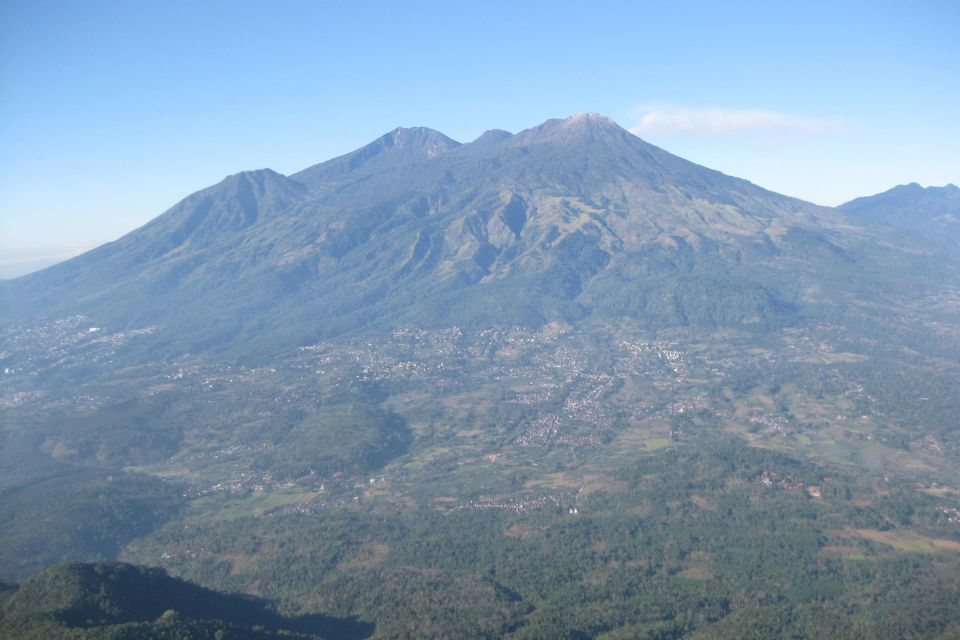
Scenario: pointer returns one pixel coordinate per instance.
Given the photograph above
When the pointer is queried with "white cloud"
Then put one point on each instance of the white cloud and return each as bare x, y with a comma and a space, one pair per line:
670, 119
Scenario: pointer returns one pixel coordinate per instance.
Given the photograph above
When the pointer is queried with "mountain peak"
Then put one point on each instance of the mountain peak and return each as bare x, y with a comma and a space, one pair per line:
492, 136
913, 186
250, 177
417, 140
590, 119
577, 126
403, 144
916, 188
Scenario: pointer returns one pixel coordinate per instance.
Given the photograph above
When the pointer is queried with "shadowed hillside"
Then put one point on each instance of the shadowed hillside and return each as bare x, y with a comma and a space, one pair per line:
117, 600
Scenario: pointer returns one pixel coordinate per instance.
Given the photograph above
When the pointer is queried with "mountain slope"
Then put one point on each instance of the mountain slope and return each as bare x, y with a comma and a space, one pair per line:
932, 211
572, 218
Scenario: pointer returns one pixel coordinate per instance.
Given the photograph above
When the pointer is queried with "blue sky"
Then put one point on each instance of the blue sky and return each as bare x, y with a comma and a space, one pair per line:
111, 112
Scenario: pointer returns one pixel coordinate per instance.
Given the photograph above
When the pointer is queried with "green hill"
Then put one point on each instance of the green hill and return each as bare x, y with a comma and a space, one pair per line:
117, 600
79, 514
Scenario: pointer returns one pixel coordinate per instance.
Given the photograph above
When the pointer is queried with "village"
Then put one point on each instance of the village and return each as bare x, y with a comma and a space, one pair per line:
555, 387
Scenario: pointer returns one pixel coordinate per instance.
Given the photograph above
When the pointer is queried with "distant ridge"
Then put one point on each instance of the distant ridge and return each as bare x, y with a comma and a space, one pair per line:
931, 211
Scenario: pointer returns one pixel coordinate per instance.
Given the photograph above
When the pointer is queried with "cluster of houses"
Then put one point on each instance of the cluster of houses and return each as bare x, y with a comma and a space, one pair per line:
773, 480
520, 505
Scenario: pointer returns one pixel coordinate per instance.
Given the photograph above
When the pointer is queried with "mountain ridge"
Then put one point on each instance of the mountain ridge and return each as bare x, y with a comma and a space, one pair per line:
933, 212
570, 218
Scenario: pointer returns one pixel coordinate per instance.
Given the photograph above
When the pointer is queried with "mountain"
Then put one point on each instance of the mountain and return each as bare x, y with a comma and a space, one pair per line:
119, 600
932, 211
571, 219
551, 384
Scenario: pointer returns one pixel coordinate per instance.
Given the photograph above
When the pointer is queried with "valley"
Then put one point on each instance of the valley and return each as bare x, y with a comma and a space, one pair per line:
513, 438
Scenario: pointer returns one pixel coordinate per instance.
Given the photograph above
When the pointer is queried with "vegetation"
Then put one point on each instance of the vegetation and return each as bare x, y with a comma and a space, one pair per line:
354, 438
521, 483
678, 542
122, 601
87, 514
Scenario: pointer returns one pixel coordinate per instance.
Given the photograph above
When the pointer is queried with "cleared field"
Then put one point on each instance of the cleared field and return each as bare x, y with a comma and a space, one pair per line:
905, 540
